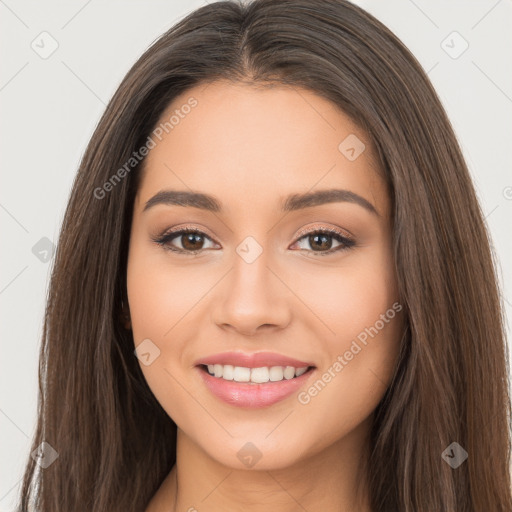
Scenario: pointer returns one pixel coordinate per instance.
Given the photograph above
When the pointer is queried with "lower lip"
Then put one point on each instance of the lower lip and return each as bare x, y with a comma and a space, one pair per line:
255, 396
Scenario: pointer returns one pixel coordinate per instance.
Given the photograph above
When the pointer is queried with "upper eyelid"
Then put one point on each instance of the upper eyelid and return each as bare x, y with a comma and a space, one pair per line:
338, 231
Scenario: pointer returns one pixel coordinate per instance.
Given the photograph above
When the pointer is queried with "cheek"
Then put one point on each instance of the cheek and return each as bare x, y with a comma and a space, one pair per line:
350, 297
359, 303
155, 302
160, 294
163, 300
369, 325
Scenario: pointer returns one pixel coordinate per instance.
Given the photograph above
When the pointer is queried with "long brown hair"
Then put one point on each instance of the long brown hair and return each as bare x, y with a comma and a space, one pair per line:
114, 441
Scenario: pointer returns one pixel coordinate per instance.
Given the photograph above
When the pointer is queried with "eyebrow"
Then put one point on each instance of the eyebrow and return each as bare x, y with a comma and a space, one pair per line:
292, 203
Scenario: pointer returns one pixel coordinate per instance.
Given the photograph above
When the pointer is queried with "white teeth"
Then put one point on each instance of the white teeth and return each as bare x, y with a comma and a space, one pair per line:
276, 373
259, 375
300, 371
289, 372
228, 372
255, 375
241, 374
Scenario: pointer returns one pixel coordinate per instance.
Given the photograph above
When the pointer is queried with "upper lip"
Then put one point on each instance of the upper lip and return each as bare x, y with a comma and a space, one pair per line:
254, 360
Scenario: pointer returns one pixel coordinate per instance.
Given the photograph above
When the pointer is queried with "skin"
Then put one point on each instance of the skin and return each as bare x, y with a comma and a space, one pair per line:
251, 147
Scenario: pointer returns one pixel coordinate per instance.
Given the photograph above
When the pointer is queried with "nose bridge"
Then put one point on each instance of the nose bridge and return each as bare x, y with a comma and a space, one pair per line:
251, 268
252, 296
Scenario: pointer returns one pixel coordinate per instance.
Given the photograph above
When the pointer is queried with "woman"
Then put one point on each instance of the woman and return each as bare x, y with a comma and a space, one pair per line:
273, 288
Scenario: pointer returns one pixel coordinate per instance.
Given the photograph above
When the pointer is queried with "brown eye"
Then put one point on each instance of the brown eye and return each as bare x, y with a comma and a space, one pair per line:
191, 241
184, 240
320, 241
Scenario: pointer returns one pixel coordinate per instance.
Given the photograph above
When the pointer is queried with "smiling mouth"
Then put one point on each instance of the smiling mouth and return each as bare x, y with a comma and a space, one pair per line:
261, 375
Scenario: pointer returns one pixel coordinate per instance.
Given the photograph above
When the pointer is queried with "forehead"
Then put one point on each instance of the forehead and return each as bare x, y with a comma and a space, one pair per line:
248, 143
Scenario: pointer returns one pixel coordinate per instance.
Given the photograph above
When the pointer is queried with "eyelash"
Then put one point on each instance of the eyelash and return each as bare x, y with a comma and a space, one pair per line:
347, 243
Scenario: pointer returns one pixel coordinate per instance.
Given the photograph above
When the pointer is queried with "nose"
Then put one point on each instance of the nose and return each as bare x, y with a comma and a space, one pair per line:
253, 298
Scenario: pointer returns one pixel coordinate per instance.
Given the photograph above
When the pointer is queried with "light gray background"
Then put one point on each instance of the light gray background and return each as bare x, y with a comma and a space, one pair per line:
49, 108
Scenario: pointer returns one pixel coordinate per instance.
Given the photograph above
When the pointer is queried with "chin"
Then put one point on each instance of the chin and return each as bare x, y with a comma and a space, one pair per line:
256, 454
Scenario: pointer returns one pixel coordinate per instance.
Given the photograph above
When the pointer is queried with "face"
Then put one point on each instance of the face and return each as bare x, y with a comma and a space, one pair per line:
256, 278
